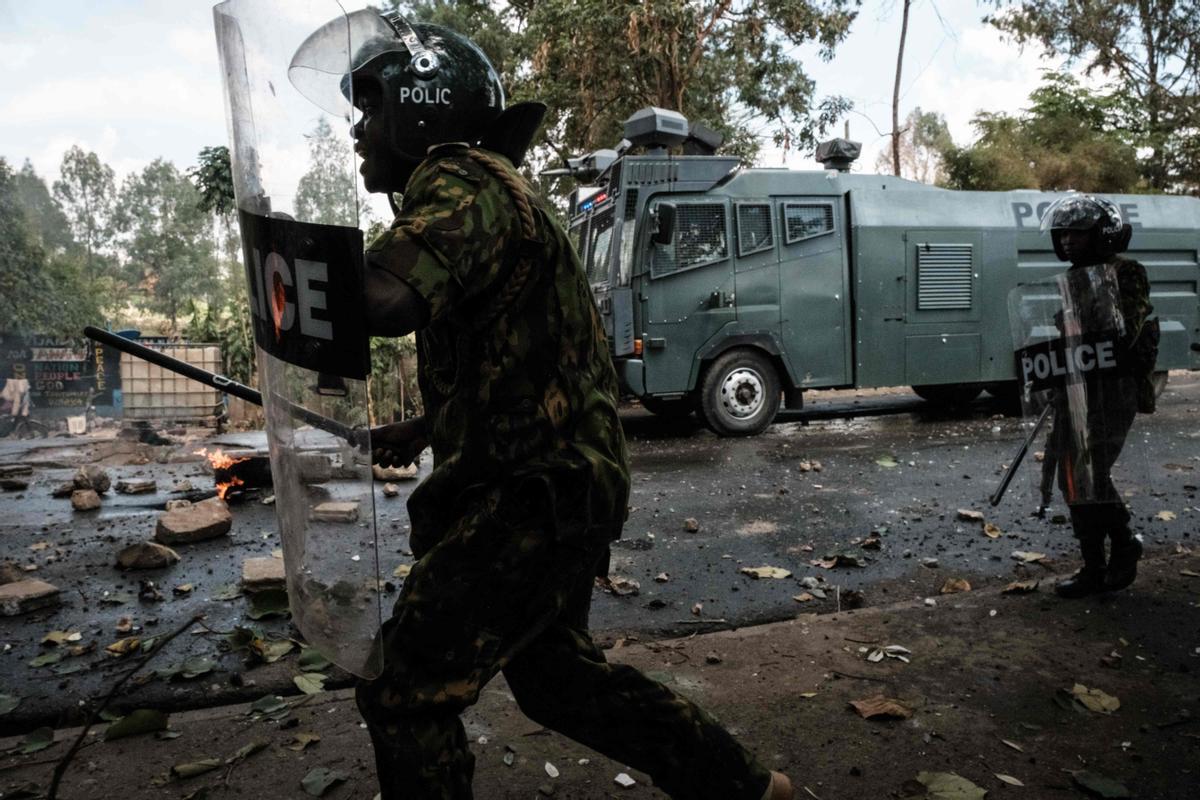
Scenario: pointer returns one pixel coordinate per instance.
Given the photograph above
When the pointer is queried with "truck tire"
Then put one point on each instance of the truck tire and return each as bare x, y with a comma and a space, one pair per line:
677, 408
950, 395
739, 394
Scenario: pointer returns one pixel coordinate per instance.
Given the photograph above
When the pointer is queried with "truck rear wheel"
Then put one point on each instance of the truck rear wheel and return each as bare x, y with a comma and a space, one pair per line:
949, 394
739, 394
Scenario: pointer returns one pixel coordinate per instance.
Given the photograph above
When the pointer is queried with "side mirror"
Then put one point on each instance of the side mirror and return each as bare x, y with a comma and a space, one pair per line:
664, 230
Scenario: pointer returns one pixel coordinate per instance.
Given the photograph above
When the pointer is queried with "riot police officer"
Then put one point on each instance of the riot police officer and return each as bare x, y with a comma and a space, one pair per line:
530, 475
1090, 232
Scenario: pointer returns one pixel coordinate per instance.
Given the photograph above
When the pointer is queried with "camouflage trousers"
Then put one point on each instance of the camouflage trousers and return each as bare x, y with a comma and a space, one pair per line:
497, 597
1110, 414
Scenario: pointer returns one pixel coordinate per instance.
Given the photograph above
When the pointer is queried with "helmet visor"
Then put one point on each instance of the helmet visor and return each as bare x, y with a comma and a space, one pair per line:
336, 49
1081, 212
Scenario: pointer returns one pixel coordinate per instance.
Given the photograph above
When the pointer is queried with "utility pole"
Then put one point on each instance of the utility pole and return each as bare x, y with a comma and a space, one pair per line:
896, 93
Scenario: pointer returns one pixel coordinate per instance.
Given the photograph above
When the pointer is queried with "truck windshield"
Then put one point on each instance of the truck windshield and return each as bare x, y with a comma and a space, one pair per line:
599, 249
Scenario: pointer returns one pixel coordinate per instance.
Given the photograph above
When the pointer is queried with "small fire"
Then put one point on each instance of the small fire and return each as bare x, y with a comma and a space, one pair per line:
219, 460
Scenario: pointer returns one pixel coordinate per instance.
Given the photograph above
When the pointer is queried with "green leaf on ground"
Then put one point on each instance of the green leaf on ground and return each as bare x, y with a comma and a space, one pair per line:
317, 782
37, 740
948, 786
268, 603
887, 461
302, 740
195, 667
230, 591
268, 704
143, 720
313, 660
245, 752
271, 650
310, 682
193, 768
1095, 699
45, 659
1100, 785
8, 703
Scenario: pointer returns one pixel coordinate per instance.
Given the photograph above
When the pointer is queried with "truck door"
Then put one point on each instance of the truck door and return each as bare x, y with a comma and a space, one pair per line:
686, 294
813, 281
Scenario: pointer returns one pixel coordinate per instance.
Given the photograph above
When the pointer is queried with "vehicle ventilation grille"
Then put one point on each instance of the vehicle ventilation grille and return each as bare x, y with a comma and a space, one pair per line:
651, 172
944, 276
631, 206
614, 178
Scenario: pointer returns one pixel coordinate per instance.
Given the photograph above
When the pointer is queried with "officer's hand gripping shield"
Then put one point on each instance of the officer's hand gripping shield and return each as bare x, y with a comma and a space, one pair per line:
1068, 335
295, 179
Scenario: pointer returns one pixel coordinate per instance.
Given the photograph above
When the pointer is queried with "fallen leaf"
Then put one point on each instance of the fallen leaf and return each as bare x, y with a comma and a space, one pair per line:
318, 781
246, 751
955, 586
808, 695
1100, 784
1095, 699
402, 571
61, 637
310, 682
1027, 557
948, 786
267, 704
312, 660
53, 657
37, 740
1009, 779
765, 572
843, 559
123, 647
1020, 587
191, 769
302, 740
880, 706
887, 461
1165, 516
195, 667
1188, 573
1014, 745
803, 597
271, 650
969, 515
183, 589
230, 591
143, 720
992, 531
872, 543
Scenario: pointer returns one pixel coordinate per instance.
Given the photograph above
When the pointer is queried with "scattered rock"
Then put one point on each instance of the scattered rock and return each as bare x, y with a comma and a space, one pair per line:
315, 467
955, 586
91, 476
691, 525
390, 490
624, 781
146, 555
967, 515
262, 573
63, 489
85, 500
137, 486
712, 658
21, 597
174, 504
207, 519
10, 573
183, 486
336, 512
394, 473
14, 484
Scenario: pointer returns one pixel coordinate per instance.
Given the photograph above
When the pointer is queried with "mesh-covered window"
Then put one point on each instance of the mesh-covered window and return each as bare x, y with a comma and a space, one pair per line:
700, 238
576, 234
599, 250
754, 229
628, 237
803, 221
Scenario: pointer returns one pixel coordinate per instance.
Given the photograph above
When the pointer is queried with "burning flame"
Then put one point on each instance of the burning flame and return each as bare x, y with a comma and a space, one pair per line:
220, 460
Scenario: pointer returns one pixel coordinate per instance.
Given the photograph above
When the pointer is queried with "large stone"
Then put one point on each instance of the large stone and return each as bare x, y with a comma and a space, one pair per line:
174, 504
146, 555
314, 467
85, 500
137, 486
336, 512
92, 477
64, 489
390, 474
21, 597
204, 520
10, 573
14, 484
262, 573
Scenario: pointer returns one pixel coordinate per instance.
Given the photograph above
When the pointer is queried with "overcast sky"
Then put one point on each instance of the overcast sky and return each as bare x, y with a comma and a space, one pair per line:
135, 80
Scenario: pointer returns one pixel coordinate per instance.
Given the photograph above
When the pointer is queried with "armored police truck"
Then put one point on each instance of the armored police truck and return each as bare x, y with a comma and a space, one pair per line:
728, 291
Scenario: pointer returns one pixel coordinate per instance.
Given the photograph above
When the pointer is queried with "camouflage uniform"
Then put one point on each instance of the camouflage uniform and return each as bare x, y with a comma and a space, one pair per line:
1112, 404
530, 484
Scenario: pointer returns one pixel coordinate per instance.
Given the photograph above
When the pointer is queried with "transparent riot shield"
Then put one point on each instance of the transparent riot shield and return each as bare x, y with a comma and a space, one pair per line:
295, 180
1067, 334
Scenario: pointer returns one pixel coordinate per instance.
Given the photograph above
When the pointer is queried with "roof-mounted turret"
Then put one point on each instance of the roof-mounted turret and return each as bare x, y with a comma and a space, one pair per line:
838, 154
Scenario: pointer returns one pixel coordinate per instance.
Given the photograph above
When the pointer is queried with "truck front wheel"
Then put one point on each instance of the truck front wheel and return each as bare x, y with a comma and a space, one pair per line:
740, 394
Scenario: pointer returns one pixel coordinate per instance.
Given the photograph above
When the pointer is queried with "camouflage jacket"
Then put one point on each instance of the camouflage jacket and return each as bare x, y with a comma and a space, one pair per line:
518, 386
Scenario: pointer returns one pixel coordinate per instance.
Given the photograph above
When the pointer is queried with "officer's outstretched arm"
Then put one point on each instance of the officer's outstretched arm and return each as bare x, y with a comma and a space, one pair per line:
393, 308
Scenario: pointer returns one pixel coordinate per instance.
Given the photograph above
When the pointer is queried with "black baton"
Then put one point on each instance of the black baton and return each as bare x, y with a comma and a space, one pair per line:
1020, 456
356, 436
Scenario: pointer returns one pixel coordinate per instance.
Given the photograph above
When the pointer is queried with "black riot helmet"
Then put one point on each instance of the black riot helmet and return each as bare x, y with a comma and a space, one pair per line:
437, 85
1083, 212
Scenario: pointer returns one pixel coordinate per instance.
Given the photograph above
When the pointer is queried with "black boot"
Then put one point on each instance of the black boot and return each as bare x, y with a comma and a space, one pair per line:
1090, 579
1122, 564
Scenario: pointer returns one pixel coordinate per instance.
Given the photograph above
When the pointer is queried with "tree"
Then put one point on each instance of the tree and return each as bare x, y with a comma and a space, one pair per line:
44, 215
213, 177
896, 132
1151, 50
327, 193
86, 192
166, 238
1069, 138
923, 139
726, 63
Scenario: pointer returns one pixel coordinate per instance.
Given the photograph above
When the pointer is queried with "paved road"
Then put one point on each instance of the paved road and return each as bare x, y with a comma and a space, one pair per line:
900, 475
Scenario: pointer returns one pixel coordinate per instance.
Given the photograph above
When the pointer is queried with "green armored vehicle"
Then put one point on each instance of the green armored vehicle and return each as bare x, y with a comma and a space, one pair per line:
728, 291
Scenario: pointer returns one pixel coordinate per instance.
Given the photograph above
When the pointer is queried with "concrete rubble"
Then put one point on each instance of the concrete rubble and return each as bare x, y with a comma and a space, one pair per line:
21, 597
262, 573
146, 555
85, 500
390, 474
137, 486
91, 476
207, 519
336, 512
